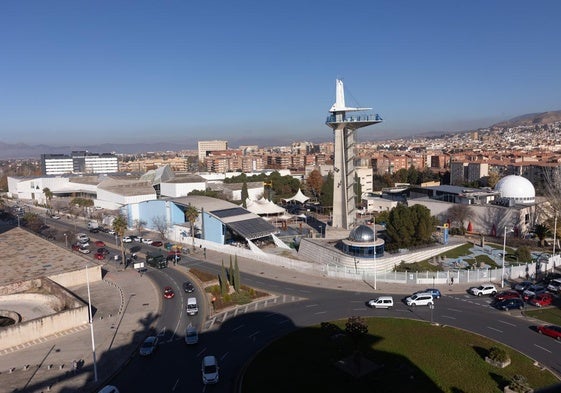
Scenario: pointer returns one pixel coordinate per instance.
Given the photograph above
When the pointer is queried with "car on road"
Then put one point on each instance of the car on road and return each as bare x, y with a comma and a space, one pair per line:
55, 217
99, 243
419, 299
109, 389
522, 286
541, 300
191, 335
435, 292
148, 346
157, 243
550, 330
209, 368
127, 239
503, 295
99, 256
173, 257
481, 290
188, 287
381, 302
509, 304
532, 291
168, 293
111, 232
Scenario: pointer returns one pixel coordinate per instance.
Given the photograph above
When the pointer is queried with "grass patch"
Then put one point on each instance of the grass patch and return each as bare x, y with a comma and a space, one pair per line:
399, 356
551, 315
202, 275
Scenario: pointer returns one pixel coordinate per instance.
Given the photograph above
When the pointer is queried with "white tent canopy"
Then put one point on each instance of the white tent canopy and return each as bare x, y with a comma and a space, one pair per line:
263, 207
299, 197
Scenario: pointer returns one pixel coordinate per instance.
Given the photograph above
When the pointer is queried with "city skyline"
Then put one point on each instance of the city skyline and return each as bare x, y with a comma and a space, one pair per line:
121, 72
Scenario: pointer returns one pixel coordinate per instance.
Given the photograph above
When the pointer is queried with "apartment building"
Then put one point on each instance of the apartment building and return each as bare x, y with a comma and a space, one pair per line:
204, 147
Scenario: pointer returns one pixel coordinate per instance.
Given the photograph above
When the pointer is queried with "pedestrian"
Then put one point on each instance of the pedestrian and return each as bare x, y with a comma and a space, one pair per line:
74, 366
204, 252
451, 281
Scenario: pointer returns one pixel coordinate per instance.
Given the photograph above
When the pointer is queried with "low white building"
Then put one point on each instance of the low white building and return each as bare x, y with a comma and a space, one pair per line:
182, 185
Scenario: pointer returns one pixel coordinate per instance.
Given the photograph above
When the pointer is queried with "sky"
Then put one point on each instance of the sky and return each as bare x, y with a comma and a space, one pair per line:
113, 71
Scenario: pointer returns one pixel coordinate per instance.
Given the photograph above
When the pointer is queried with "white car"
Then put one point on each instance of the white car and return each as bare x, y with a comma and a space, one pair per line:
147, 241
381, 302
84, 250
82, 237
55, 217
420, 299
209, 369
149, 346
127, 239
481, 290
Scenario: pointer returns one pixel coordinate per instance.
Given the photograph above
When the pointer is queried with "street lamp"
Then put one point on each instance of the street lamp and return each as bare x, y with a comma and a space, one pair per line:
504, 253
66, 239
554, 232
356, 271
91, 323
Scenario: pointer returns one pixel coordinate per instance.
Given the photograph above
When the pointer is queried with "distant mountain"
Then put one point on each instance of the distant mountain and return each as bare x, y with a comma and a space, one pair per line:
531, 119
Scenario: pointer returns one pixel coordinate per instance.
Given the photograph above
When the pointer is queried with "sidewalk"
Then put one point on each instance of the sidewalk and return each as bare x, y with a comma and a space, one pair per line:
125, 306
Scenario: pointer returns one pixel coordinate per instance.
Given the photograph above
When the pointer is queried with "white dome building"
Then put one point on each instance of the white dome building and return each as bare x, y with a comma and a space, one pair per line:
516, 190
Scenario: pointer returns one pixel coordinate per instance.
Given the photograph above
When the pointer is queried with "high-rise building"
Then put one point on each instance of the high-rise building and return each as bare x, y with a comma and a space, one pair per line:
207, 146
79, 162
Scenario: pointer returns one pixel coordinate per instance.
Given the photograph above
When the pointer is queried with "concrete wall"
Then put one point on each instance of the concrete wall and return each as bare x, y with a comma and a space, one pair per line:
78, 277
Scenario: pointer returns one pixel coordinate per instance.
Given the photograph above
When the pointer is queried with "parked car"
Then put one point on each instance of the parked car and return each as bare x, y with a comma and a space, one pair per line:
532, 291
191, 335
509, 304
541, 300
381, 302
481, 290
419, 299
99, 243
99, 256
433, 291
554, 285
55, 217
127, 239
103, 251
550, 330
522, 286
84, 250
209, 368
76, 246
82, 237
188, 287
149, 346
503, 295
157, 243
168, 293
146, 241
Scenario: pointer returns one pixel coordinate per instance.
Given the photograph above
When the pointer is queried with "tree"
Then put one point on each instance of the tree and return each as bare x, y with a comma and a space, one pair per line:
542, 231
356, 328
224, 287
119, 225
326, 195
161, 225
245, 194
191, 215
399, 227
314, 182
458, 214
139, 226
49, 195
523, 254
237, 281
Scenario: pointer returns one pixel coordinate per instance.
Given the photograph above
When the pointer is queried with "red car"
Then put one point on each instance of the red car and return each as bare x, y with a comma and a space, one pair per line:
551, 331
157, 243
504, 295
544, 299
75, 246
99, 243
168, 293
99, 256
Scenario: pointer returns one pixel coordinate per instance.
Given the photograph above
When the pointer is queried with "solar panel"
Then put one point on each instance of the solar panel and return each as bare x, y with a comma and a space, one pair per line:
253, 228
235, 211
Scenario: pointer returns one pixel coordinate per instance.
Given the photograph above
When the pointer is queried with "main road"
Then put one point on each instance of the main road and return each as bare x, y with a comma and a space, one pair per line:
175, 367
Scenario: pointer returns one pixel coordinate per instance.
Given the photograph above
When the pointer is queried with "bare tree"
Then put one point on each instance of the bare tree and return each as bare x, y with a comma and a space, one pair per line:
458, 214
161, 225
139, 226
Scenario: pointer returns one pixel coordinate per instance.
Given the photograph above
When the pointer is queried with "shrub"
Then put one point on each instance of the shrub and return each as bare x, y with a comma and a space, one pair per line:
519, 384
498, 355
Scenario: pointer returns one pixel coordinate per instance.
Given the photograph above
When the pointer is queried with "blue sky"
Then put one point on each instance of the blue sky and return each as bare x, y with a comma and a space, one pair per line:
120, 71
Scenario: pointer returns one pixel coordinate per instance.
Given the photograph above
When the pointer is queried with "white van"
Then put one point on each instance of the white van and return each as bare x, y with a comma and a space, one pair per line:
554, 285
381, 302
420, 299
192, 308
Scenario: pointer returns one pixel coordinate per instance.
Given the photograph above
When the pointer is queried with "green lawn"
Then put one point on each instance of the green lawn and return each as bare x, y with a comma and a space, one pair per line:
550, 315
399, 355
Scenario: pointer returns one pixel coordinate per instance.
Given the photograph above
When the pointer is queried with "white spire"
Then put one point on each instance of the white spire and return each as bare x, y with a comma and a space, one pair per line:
340, 105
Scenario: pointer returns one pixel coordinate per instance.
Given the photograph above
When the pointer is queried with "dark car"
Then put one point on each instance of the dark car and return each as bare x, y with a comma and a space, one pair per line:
188, 286
173, 257
522, 286
103, 251
510, 304
504, 295
435, 292
157, 243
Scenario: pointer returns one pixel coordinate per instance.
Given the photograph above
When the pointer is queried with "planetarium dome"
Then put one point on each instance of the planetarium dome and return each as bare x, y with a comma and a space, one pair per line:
362, 234
517, 189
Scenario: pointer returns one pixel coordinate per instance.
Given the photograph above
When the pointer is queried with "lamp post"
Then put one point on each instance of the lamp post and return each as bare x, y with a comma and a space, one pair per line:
554, 232
91, 323
66, 239
504, 252
356, 270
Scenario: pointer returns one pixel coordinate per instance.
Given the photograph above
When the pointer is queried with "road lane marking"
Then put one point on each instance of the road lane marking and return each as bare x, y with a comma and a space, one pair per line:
507, 323
224, 356
540, 347
175, 385
320, 312
492, 328
453, 309
254, 334
311, 305
447, 316
237, 328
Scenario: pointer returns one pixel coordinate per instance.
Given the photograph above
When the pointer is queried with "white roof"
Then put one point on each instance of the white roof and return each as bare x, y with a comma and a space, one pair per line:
263, 206
299, 197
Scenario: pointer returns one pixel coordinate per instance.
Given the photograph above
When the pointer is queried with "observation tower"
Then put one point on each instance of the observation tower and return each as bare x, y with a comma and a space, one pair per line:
344, 127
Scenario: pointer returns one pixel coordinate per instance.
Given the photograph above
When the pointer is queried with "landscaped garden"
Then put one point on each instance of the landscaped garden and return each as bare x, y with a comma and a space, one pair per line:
395, 355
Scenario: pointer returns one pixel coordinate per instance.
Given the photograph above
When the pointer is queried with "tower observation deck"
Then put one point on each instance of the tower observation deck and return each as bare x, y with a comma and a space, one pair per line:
345, 121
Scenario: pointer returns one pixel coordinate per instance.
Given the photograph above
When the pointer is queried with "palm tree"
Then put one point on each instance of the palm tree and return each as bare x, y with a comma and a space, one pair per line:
191, 215
120, 226
49, 195
542, 231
